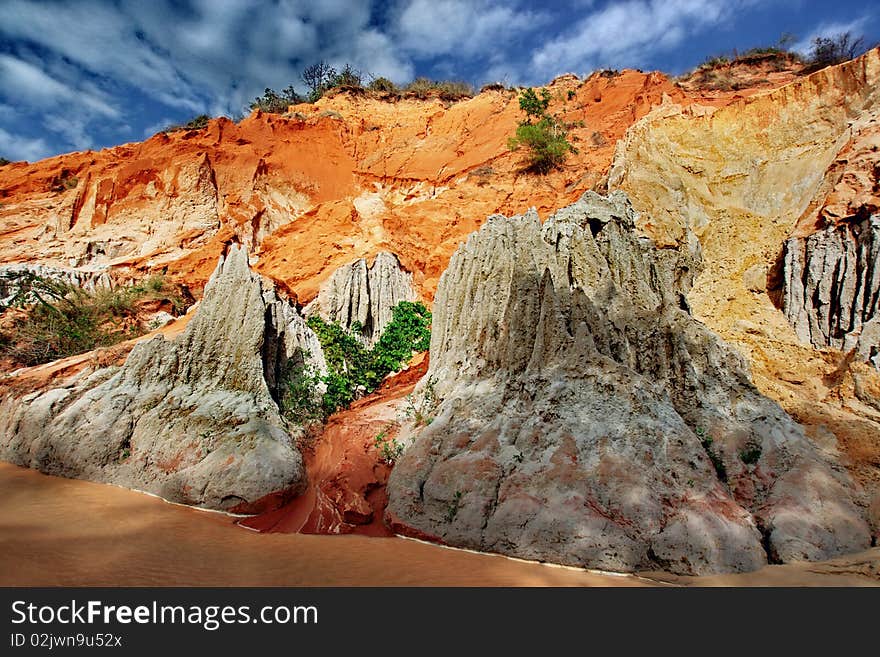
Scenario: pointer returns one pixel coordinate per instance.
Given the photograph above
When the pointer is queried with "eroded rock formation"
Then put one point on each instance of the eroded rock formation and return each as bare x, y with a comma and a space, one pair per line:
364, 295
831, 287
583, 408
193, 419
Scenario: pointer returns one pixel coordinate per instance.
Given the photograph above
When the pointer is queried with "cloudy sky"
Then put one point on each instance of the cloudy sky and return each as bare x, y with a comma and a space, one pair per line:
80, 74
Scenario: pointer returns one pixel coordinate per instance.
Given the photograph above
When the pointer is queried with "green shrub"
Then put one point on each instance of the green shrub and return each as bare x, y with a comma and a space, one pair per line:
62, 320
408, 331
382, 85
300, 398
273, 102
532, 105
389, 449
4, 162
355, 370
347, 77
545, 140
198, 123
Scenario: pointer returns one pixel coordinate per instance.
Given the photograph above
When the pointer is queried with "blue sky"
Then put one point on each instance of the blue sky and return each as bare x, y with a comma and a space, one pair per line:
80, 74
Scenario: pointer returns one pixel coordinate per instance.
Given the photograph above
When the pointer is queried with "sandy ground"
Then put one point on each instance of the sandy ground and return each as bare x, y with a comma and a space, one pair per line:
61, 532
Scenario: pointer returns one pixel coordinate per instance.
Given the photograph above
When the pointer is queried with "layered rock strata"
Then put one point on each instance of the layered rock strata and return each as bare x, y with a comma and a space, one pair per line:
589, 419
195, 419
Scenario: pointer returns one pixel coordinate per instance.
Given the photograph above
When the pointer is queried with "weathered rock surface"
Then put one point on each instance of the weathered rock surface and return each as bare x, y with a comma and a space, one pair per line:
362, 294
577, 394
831, 287
745, 178
192, 419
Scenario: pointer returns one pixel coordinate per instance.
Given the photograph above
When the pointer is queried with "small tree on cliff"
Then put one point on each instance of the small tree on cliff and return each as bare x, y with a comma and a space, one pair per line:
542, 134
274, 102
828, 51
317, 78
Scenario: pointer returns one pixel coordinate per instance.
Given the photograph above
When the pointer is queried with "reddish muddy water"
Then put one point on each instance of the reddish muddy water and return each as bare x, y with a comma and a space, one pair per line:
62, 532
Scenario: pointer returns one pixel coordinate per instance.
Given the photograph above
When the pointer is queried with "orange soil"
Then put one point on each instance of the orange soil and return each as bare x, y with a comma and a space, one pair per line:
346, 473
319, 187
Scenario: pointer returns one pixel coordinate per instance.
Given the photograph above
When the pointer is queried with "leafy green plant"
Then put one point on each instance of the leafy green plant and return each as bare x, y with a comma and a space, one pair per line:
533, 105
301, 401
355, 370
4, 162
545, 139
391, 449
409, 331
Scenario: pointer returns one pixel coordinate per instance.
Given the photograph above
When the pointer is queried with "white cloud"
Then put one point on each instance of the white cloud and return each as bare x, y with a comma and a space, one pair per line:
36, 87
16, 147
626, 32
461, 27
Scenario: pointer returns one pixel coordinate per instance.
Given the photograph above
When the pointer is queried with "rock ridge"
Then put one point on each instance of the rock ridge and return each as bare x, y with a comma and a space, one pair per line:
358, 294
588, 419
193, 419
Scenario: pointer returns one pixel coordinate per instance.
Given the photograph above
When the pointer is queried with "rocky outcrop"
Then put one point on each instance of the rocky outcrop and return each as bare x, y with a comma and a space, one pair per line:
588, 419
194, 419
831, 287
363, 296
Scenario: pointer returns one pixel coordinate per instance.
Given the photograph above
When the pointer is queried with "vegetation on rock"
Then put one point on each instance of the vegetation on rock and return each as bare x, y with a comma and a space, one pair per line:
831, 50
545, 139
274, 102
196, 123
354, 370
321, 78
57, 319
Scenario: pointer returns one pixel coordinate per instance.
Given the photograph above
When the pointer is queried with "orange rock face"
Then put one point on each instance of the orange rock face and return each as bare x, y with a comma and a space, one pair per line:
318, 187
